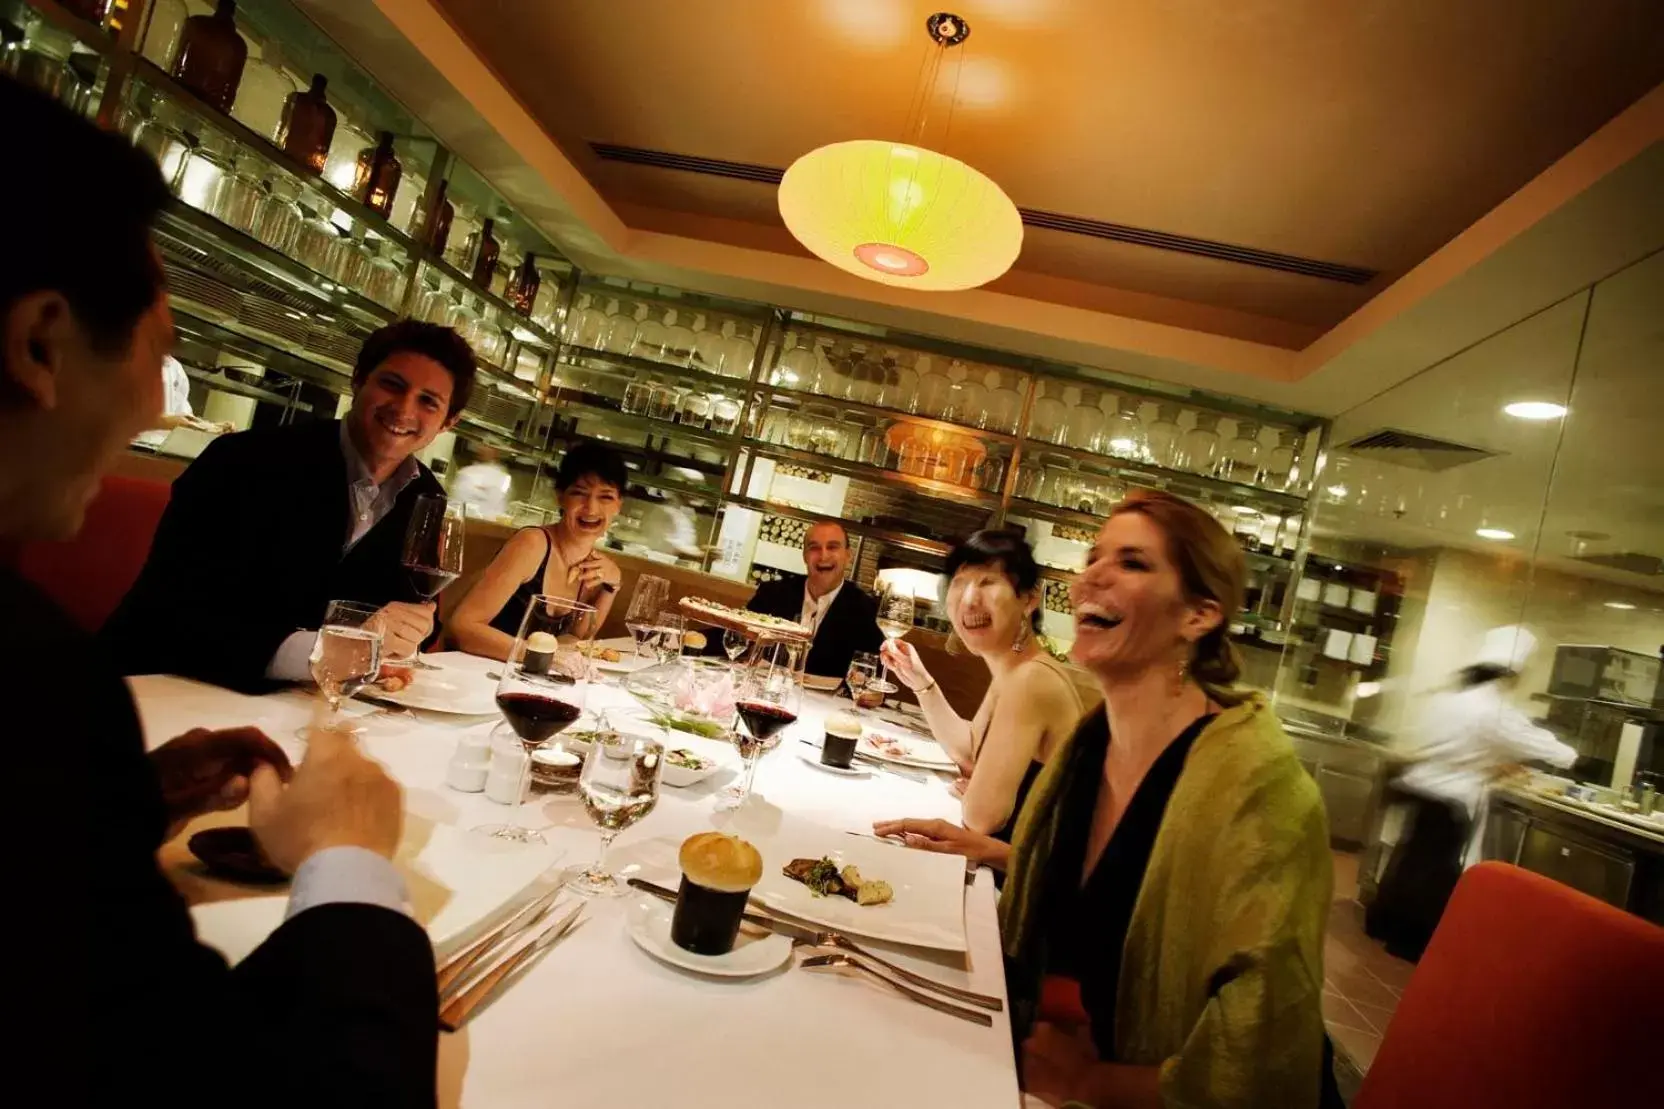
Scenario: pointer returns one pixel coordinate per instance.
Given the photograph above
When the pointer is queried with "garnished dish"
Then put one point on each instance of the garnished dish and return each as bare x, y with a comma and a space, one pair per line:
888, 745
826, 880
601, 653
684, 759
726, 616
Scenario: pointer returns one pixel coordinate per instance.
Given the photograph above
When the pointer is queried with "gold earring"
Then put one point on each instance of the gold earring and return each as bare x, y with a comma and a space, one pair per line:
1021, 640
1182, 676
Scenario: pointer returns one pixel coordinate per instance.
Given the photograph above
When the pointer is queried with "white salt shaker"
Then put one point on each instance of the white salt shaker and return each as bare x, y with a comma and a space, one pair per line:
470, 763
508, 764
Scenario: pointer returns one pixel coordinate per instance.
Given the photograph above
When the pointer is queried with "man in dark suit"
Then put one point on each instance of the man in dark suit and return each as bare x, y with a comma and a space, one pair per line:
123, 1006
267, 527
841, 616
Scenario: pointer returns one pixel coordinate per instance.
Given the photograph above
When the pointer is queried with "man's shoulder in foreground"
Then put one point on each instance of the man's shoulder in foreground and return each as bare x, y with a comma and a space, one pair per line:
259, 447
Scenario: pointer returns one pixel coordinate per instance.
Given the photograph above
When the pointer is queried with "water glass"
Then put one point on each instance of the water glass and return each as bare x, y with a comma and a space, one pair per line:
650, 595
346, 655
619, 785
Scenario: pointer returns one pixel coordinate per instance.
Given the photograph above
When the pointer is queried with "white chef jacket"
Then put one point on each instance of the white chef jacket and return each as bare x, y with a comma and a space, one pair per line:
1471, 734
176, 400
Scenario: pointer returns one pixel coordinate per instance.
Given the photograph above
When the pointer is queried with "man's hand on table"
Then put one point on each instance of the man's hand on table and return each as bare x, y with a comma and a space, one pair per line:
336, 798
404, 627
207, 770
948, 839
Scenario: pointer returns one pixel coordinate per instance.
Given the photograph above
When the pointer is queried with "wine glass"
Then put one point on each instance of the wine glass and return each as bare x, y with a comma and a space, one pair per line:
670, 628
895, 619
619, 785
544, 683
863, 672
649, 597
346, 656
767, 703
734, 644
433, 542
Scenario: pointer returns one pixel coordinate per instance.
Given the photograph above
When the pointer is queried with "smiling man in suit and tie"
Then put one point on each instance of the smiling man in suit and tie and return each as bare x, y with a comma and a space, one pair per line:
841, 616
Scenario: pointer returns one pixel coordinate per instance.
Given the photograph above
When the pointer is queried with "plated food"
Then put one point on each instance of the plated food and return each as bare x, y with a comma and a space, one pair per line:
916, 751
740, 619
687, 760
825, 878
684, 767
600, 652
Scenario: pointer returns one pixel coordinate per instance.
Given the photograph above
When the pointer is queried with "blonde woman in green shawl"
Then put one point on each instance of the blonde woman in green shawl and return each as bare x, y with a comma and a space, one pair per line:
1180, 872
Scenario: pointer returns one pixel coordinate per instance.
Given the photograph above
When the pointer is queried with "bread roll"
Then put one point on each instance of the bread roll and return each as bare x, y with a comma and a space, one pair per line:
719, 862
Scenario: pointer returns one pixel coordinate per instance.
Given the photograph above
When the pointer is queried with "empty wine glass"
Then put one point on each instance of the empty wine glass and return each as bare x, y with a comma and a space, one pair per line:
346, 655
651, 593
734, 644
670, 627
767, 703
619, 785
543, 685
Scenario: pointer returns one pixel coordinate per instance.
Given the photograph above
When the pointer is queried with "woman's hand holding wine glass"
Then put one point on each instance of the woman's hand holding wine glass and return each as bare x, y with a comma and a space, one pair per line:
903, 660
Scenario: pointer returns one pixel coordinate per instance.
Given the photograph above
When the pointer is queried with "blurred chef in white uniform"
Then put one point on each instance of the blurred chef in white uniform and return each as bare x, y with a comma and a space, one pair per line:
176, 408
483, 485
1471, 737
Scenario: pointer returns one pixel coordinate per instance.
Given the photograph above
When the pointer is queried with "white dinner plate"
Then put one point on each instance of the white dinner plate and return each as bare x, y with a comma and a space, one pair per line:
929, 905
811, 755
921, 752
456, 879
462, 690
821, 684
647, 920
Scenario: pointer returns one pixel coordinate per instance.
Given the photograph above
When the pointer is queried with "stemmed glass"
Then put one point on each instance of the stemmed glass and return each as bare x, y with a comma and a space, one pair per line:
649, 597
545, 681
863, 672
895, 619
619, 785
734, 644
767, 703
671, 627
433, 542
346, 656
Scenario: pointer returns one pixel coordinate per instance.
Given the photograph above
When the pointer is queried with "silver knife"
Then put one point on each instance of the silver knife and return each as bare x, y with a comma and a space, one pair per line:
801, 934
516, 923
455, 1014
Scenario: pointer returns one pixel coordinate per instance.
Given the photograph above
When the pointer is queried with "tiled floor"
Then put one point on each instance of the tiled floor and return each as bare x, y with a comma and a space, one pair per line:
1362, 983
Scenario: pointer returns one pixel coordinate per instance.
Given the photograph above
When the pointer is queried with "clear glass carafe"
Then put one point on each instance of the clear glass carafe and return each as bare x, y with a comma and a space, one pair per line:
710, 345
1085, 427
385, 285
1242, 454
1162, 435
1048, 421
1124, 434
1279, 469
239, 196
1199, 448
742, 348
318, 243
967, 403
796, 365
280, 217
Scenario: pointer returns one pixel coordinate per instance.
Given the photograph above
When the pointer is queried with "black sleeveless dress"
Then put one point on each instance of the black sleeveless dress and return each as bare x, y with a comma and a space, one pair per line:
513, 611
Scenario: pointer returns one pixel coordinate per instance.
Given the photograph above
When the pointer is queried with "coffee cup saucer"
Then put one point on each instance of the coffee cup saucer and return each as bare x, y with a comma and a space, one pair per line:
755, 952
811, 755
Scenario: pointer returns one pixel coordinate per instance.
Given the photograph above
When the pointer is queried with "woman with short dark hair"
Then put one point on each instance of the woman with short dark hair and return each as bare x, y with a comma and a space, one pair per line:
993, 600
558, 559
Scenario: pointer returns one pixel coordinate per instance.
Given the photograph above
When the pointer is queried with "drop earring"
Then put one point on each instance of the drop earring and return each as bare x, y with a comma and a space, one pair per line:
1019, 643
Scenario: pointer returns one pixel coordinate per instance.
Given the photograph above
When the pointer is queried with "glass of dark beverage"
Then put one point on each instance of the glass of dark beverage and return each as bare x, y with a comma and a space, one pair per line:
619, 785
433, 542
544, 683
766, 704
718, 872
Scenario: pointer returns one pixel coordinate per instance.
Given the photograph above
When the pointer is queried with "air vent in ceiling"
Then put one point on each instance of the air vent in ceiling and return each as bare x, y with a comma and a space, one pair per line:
1032, 217
1418, 452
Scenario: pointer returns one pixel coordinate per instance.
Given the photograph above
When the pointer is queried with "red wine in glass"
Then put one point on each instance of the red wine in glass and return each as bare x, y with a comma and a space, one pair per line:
535, 716
764, 719
428, 581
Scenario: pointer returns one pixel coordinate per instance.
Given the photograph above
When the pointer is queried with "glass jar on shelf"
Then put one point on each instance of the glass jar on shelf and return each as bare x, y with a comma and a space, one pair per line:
211, 56
385, 284
710, 344
318, 242
1048, 421
989, 475
650, 337
437, 233
796, 364
799, 430
1124, 434
433, 303
199, 178
1084, 425
587, 326
280, 216
1161, 436
1199, 448
932, 395
694, 408
263, 92
725, 415
1029, 476
668, 401
638, 397
407, 207
742, 348
1004, 407
1242, 454
1278, 470
341, 167
678, 340
775, 424
866, 378
546, 307
871, 445
619, 336
352, 264
238, 196
307, 125
967, 402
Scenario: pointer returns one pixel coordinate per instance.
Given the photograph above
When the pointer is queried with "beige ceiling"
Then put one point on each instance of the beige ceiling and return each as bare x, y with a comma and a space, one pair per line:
1365, 133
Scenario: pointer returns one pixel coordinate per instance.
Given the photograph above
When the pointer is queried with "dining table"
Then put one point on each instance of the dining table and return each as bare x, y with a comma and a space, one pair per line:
597, 1021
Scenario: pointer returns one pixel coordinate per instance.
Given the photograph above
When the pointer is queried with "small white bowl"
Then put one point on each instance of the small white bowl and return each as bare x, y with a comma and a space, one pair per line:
681, 776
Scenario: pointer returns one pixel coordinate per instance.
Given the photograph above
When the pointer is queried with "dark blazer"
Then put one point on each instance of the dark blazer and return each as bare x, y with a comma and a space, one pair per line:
849, 625
120, 1004
249, 550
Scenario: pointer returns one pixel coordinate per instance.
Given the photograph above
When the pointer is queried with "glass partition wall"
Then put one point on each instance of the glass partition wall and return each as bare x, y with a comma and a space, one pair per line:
1502, 506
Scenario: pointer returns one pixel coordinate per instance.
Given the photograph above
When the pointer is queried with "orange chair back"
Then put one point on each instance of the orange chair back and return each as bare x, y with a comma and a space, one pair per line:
1531, 996
90, 574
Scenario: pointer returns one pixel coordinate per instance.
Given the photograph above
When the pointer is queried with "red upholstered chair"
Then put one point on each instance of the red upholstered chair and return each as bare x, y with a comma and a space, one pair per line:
1531, 996
89, 575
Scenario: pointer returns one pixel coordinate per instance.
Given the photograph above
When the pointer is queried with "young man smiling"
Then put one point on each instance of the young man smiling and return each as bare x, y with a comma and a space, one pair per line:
267, 527
843, 618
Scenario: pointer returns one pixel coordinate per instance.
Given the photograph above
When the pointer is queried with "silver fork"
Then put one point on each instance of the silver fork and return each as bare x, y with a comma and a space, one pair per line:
844, 943
844, 959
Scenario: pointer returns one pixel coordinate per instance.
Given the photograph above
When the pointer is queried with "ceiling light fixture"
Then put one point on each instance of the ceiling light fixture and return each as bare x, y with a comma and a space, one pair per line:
898, 213
1535, 410
1494, 533
1622, 606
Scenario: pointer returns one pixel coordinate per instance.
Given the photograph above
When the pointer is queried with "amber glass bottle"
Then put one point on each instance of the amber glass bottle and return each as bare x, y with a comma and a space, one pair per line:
485, 257
440, 232
211, 56
523, 285
378, 175
307, 126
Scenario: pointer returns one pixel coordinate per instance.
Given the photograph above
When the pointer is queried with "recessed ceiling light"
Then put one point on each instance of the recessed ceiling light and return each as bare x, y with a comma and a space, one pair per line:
1623, 606
1494, 533
1535, 410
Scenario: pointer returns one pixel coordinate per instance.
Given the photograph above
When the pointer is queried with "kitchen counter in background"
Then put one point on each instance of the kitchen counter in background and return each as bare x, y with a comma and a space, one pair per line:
1618, 860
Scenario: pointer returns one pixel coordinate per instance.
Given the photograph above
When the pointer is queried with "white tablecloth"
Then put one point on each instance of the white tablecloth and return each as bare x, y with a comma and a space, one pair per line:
600, 1023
